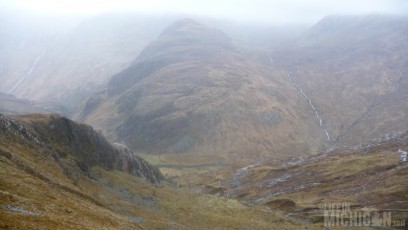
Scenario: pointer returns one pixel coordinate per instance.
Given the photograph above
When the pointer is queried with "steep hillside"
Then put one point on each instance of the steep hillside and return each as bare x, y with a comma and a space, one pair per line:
69, 143
193, 91
359, 64
368, 175
67, 59
55, 173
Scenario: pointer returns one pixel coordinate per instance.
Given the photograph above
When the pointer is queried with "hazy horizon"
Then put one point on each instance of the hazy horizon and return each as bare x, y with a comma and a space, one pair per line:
258, 11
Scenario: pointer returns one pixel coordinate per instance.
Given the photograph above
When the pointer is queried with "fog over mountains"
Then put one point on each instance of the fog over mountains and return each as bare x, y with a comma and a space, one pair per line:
180, 109
356, 61
194, 90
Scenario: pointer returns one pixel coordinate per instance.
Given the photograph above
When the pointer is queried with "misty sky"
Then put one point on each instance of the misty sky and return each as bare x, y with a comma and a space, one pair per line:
278, 11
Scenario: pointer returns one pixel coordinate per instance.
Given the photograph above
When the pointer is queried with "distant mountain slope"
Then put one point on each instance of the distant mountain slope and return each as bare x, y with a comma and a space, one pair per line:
64, 60
353, 68
11, 105
193, 91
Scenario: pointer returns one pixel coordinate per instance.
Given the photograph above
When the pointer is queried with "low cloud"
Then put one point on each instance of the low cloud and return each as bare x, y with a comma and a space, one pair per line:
277, 12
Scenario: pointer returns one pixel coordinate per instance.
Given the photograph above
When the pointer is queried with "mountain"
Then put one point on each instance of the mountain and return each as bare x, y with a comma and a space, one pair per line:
192, 90
12, 105
247, 138
65, 60
360, 64
55, 173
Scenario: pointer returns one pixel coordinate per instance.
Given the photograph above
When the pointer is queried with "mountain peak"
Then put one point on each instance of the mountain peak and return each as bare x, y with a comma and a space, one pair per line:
186, 22
184, 41
189, 27
188, 90
186, 36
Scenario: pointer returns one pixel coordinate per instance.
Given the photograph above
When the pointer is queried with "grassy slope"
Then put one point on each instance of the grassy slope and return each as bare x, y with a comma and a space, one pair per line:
49, 197
112, 201
366, 176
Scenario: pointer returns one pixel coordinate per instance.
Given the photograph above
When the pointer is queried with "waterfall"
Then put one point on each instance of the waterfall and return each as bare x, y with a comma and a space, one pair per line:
27, 74
299, 88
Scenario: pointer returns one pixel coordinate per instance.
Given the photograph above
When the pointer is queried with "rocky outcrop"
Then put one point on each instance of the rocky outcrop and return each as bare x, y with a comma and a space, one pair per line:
65, 138
135, 165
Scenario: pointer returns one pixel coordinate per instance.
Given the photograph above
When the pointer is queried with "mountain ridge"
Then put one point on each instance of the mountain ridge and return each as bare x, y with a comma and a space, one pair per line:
64, 137
357, 63
184, 97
